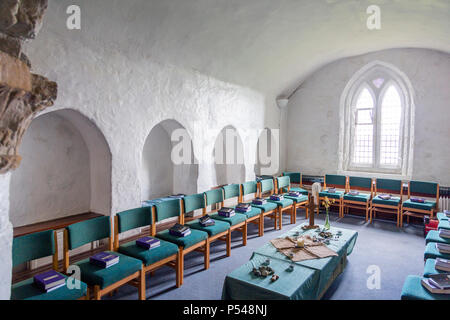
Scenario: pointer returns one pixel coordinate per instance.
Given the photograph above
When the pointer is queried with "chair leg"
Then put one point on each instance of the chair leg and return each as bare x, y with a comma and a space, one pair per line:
244, 234
261, 225
181, 266
276, 218
206, 256
142, 285
280, 226
398, 217
97, 295
307, 213
88, 293
178, 269
229, 243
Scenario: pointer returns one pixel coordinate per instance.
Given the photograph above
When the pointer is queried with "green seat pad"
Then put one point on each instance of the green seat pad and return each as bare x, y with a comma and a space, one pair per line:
301, 198
428, 205
195, 237
282, 203
269, 206
232, 221
431, 252
413, 290
26, 290
94, 275
254, 212
394, 201
148, 257
430, 268
301, 190
332, 195
444, 224
442, 216
362, 197
218, 227
433, 236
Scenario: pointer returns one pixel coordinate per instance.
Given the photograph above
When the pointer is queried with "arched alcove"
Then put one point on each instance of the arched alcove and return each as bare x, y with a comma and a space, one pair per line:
66, 170
229, 157
267, 154
168, 162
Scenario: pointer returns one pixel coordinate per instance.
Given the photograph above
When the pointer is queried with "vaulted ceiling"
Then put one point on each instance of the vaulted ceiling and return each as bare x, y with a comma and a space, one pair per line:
267, 45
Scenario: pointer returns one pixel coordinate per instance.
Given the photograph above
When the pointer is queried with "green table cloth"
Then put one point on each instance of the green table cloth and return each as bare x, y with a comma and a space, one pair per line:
308, 281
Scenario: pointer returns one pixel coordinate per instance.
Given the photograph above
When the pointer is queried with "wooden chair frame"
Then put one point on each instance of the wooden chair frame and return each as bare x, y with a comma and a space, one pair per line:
259, 219
137, 279
279, 210
202, 246
339, 202
172, 261
377, 207
347, 204
295, 205
418, 212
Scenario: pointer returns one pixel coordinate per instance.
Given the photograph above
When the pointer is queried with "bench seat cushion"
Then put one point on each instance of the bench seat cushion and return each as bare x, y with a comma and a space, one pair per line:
433, 236
300, 199
282, 203
218, 227
26, 290
148, 257
94, 275
431, 252
394, 201
331, 195
269, 206
195, 237
428, 205
413, 290
232, 221
362, 197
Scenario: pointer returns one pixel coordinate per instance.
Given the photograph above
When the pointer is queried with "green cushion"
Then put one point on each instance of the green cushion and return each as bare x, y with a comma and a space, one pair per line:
442, 216
234, 220
428, 188
194, 202
394, 201
269, 206
362, 197
360, 182
431, 252
333, 179
33, 246
282, 203
218, 227
294, 176
134, 218
214, 196
433, 236
249, 187
94, 275
393, 186
299, 199
413, 290
331, 195
301, 190
430, 268
266, 185
26, 290
168, 209
428, 205
231, 191
148, 257
254, 212
195, 237
444, 224
88, 231
283, 182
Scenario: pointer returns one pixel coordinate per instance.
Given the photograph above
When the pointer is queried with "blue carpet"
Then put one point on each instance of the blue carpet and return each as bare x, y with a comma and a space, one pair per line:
397, 253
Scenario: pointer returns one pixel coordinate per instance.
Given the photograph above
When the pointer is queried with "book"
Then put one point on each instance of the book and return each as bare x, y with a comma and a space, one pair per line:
104, 259
179, 230
226, 212
353, 192
441, 280
295, 194
432, 288
243, 207
447, 213
443, 248
148, 243
49, 281
277, 197
331, 190
444, 233
206, 221
259, 201
418, 200
442, 265
177, 196
385, 196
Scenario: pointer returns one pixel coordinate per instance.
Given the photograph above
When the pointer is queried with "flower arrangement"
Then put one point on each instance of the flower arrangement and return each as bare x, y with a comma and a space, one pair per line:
327, 204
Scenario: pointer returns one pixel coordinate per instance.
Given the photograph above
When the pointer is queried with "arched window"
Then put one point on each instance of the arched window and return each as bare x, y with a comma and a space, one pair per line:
375, 136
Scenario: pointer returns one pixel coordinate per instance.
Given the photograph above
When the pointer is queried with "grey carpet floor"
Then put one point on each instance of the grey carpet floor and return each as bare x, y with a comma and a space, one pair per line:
396, 252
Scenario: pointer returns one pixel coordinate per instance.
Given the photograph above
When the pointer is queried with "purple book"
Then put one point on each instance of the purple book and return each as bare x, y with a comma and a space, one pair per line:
418, 200
259, 201
331, 190
276, 197
243, 207
49, 280
148, 243
226, 212
353, 193
385, 196
295, 194
104, 259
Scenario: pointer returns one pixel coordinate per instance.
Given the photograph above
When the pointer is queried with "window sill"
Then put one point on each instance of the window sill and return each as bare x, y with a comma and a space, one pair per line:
371, 174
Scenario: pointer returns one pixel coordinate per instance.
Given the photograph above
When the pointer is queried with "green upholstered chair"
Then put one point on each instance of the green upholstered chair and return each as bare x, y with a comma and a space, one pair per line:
270, 209
363, 199
302, 201
196, 241
219, 231
296, 178
431, 252
444, 224
441, 216
430, 268
217, 197
391, 206
433, 236
103, 280
35, 246
255, 214
428, 190
166, 254
413, 290
338, 182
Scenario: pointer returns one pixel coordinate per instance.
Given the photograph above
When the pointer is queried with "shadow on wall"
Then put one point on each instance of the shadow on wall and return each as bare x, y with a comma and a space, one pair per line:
167, 168
229, 157
267, 154
66, 170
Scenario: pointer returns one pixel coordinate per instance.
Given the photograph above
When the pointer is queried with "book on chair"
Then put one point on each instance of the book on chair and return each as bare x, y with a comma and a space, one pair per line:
385, 196
259, 201
179, 230
295, 194
277, 197
331, 190
206, 221
442, 264
353, 192
49, 281
243, 207
447, 213
443, 248
148, 243
426, 282
104, 259
418, 200
444, 233
226, 212
441, 280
